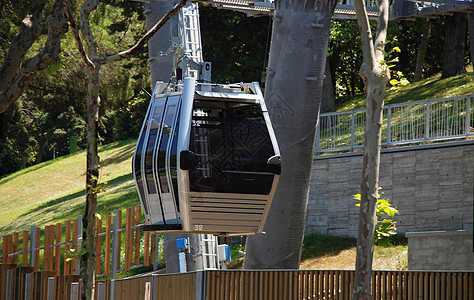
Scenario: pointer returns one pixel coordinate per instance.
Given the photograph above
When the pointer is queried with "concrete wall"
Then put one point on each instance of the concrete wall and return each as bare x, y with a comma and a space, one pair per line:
440, 250
431, 186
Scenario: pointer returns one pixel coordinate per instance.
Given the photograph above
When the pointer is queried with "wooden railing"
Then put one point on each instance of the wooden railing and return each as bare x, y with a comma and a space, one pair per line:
239, 284
62, 240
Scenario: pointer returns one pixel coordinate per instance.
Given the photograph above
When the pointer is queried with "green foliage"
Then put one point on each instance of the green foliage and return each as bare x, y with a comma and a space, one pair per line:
345, 57
384, 214
236, 45
10, 158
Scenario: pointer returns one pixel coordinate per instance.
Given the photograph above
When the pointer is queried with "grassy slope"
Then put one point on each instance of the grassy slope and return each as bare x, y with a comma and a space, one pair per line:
54, 191
431, 88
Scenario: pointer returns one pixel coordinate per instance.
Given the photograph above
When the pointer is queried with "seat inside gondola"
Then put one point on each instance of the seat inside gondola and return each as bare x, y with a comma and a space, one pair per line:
207, 160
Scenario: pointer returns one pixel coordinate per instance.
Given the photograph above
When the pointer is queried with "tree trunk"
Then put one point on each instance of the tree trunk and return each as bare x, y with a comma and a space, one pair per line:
470, 20
328, 101
92, 168
454, 44
369, 185
421, 53
92, 177
375, 75
293, 95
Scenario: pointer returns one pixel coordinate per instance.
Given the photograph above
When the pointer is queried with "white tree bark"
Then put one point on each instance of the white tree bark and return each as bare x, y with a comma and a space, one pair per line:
293, 95
375, 75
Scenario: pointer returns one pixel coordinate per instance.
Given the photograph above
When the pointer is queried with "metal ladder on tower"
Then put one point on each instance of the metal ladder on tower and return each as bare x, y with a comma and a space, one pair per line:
209, 252
190, 34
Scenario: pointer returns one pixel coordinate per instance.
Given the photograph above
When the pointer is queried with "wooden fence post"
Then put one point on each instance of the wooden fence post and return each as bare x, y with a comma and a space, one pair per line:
37, 245
24, 249
98, 246
16, 248
107, 245
127, 239
32, 246
153, 249
46, 244
67, 248
119, 239
57, 266
74, 244
115, 245
138, 219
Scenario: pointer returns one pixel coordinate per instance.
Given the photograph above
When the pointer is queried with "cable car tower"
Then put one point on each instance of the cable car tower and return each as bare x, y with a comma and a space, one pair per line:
207, 160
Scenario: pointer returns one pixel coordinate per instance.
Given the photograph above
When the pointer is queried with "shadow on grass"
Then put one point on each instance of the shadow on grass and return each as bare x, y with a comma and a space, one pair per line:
318, 245
125, 153
69, 207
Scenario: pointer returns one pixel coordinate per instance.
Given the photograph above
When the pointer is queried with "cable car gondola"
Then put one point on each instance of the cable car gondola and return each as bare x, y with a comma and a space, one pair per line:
207, 160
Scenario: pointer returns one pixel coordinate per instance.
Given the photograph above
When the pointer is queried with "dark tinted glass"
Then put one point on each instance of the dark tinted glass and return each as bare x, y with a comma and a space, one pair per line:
165, 136
174, 164
233, 144
155, 122
137, 166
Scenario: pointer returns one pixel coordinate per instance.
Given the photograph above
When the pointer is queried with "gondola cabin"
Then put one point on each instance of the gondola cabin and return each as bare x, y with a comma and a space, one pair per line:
207, 160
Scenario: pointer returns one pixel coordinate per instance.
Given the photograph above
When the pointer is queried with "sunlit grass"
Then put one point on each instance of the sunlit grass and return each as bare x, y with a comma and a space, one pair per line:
431, 88
54, 191
324, 252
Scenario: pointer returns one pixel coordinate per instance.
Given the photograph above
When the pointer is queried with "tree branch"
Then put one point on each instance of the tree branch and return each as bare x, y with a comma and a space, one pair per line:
57, 25
86, 31
145, 38
382, 24
29, 32
75, 33
365, 35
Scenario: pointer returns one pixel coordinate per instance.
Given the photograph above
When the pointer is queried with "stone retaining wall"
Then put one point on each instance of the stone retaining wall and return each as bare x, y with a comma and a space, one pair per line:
440, 250
431, 186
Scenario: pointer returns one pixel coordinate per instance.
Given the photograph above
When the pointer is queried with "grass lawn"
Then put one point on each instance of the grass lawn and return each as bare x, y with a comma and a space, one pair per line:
431, 88
54, 191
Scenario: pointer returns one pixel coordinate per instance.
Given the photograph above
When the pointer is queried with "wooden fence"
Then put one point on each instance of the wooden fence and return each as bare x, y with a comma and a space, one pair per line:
138, 249
241, 284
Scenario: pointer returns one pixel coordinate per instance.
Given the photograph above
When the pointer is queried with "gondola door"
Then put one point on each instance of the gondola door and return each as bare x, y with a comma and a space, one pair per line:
163, 160
143, 162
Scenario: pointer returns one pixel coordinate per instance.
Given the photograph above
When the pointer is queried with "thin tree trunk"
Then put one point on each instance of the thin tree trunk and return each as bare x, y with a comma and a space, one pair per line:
369, 186
92, 177
328, 101
293, 95
454, 45
470, 21
421, 53
375, 76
